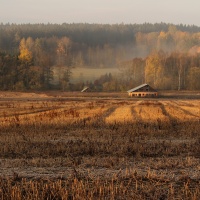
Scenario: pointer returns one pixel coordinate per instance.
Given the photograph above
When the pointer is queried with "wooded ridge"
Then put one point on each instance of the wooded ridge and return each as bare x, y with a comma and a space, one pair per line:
166, 56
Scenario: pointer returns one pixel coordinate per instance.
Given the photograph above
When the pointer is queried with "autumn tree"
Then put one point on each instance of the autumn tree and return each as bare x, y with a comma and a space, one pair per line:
64, 61
43, 59
154, 70
193, 82
25, 57
181, 64
165, 42
8, 71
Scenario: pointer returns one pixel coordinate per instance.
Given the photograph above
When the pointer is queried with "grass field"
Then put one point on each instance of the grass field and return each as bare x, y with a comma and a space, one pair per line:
84, 74
95, 147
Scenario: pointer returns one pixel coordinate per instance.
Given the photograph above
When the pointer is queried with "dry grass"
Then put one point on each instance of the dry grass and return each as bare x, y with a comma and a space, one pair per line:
122, 114
151, 111
99, 149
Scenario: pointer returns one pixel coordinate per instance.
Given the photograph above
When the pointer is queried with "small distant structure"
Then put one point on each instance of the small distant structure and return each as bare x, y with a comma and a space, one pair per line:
143, 90
86, 89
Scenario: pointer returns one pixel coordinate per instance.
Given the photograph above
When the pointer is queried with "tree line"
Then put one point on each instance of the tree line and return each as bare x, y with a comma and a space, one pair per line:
166, 56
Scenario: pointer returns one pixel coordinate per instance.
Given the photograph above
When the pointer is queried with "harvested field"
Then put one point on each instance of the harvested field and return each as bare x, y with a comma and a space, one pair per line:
122, 114
99, 148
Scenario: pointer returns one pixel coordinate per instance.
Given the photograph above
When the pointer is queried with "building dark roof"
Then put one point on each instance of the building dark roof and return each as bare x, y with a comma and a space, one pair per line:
85, 89
136, 88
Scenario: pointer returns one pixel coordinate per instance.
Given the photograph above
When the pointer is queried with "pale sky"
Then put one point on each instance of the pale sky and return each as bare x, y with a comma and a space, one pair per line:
100, 11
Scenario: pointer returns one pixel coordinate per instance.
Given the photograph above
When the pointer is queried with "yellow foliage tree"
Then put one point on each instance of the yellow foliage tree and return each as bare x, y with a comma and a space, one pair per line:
25, 55
153, 70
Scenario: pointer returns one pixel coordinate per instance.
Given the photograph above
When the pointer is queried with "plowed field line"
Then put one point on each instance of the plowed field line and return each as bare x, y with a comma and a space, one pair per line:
172, 120
136, 117
182, 112
106, 113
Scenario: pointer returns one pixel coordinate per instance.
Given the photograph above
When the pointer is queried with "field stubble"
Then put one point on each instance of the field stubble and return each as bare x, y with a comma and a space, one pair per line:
100, 149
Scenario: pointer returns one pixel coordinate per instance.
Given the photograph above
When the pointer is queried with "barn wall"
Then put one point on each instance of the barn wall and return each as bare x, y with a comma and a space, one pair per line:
143, 94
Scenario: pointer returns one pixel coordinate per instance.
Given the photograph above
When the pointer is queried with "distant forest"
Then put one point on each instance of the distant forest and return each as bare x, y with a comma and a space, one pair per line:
166, 56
